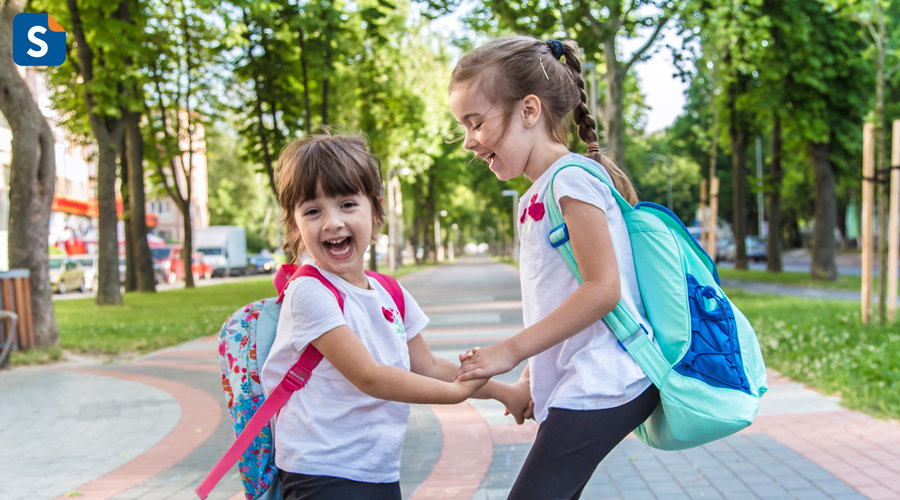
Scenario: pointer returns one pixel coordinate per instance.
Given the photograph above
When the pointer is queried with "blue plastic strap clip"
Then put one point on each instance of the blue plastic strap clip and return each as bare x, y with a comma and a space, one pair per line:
624, 348
559, 235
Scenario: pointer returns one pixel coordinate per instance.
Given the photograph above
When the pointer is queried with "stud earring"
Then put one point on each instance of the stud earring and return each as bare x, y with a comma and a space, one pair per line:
527, 123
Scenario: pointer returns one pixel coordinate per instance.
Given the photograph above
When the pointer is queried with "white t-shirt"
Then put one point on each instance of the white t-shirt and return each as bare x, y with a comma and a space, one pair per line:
331, 428
589, 371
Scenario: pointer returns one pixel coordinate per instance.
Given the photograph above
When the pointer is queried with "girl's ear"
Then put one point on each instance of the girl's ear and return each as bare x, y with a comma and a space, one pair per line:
531, 110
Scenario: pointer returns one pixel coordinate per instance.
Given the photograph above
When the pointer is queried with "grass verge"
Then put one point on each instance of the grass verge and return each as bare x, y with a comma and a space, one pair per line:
148, 322
823, 343
844, 282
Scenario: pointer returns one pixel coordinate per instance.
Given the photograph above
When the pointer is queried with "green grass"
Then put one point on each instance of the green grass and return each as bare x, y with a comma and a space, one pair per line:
823, 344
148, 322
844, 282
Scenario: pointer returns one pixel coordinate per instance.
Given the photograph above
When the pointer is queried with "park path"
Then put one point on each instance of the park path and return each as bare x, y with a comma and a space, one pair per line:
153, 427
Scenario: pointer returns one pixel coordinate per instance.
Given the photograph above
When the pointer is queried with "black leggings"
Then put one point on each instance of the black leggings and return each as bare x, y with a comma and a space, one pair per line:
570, 444
306, 487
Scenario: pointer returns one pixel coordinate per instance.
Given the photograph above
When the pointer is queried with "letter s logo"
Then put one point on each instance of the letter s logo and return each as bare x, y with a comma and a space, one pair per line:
37, 41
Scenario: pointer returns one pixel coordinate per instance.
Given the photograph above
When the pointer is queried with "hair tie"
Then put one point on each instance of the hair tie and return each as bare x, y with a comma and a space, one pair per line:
556, 48
594, 147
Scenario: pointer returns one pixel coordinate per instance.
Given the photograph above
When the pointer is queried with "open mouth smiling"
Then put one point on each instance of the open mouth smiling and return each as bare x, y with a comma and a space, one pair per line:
338, 247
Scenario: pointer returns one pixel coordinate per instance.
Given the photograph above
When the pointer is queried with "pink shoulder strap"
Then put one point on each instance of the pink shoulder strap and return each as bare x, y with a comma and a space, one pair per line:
393, 289
295, 379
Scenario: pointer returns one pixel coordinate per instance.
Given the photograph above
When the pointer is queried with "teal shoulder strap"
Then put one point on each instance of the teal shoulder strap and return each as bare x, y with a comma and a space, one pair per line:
619, 320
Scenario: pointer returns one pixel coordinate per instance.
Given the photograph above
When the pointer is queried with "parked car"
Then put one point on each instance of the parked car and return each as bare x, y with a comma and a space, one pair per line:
65, 275
171, 267
199, 268
261, 264
224, 248
754, 246
88, 264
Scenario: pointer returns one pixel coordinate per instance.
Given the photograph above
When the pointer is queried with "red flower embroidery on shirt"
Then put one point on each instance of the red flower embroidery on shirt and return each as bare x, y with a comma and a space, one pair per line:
536, 211
388, 314
524, 213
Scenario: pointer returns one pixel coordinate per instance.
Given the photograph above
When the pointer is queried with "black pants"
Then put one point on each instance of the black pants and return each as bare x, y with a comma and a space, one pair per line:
570, 444
305, 487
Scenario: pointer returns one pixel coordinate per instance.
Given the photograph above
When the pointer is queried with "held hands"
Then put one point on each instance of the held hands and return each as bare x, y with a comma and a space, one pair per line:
468, 387
517, 400
481, 362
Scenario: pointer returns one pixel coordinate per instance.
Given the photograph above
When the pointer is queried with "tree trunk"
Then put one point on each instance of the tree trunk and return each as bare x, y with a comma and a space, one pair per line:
108, 134
187, 248
773, 243
613, 115
130, 268
108, 261
324, 103
823, 264
738, 131
31, 184
134, 152
883, 199
418, 211
307, 116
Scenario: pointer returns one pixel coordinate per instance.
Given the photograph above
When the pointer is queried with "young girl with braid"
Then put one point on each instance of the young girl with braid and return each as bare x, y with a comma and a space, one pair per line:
513, 96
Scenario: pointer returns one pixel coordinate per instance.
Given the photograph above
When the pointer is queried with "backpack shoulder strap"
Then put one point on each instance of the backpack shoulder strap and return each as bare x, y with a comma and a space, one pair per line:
294, 380
619, 320
393, 288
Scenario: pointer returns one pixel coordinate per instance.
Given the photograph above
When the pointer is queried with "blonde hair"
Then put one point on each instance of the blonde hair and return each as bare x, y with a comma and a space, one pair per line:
341, 164
507, 69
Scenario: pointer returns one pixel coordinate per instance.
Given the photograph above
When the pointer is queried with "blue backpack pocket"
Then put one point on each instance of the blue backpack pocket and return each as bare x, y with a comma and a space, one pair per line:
714, 354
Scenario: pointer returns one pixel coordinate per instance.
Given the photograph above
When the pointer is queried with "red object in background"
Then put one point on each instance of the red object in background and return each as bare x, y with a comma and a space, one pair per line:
173, 264
75, 247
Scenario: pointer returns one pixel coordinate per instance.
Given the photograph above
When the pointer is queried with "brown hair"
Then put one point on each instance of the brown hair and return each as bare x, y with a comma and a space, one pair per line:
340, 163
509, 68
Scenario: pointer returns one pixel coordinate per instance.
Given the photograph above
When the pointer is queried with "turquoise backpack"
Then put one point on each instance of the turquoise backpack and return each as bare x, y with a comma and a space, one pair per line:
706, 360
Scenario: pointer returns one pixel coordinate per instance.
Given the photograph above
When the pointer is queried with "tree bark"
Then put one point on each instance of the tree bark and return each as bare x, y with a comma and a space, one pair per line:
130, 268
108, 134
31, 184
613, 115
823, 263
418, 211
738, 131
773, 205
134, 152
324, 103
187, 248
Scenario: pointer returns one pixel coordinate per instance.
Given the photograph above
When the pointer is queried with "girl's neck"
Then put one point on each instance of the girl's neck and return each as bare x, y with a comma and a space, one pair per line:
542, 156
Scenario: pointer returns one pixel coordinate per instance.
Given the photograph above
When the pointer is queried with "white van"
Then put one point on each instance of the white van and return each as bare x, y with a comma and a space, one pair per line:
224, 248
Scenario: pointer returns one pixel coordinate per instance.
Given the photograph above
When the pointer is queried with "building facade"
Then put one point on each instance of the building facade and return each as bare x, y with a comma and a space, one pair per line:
73, 220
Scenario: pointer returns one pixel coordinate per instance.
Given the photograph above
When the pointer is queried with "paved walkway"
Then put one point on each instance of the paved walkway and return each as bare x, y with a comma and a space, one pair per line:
152, 428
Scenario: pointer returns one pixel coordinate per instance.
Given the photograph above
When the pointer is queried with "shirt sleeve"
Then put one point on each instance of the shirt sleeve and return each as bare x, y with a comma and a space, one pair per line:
578, 184
315, 311
415, 319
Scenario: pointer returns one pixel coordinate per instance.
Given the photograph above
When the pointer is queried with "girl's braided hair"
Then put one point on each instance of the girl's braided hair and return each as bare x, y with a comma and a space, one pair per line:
507, 69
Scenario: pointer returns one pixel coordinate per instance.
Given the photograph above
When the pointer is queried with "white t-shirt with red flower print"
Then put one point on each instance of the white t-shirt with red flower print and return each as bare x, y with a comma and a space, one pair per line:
589, 371
331, 428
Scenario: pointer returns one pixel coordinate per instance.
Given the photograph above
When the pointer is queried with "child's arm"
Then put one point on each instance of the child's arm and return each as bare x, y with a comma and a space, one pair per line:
597, 296
423, 362
343, 349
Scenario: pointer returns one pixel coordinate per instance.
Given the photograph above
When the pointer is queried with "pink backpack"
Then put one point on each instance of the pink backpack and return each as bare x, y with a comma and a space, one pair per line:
245, 340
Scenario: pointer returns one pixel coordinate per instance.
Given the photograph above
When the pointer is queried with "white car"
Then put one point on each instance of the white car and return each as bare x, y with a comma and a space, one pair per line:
89, 266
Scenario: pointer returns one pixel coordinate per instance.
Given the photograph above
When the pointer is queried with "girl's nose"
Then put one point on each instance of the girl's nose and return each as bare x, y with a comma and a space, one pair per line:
470, 143
333, 220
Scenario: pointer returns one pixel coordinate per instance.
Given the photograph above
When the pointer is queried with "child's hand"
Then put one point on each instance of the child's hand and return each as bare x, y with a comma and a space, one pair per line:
517, 400
485, 362
468, 387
